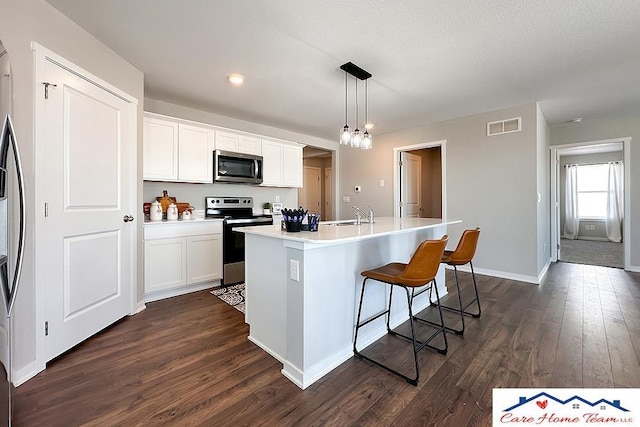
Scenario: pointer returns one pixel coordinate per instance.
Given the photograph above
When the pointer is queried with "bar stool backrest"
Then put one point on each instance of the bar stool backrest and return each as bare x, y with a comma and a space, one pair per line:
424, 263
466, 248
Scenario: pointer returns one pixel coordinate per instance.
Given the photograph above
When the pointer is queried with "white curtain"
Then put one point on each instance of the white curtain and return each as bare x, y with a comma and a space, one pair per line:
571, 221
615, 202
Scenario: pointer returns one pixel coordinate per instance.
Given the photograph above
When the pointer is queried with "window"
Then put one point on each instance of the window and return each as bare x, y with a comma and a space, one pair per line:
592, 191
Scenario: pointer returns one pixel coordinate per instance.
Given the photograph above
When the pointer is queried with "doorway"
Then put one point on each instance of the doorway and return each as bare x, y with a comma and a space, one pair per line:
420, 180
316, 194
586, 237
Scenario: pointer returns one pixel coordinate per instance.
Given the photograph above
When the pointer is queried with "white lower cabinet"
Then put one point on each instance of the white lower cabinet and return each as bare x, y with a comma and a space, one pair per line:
181, 258
165, 264
204, 262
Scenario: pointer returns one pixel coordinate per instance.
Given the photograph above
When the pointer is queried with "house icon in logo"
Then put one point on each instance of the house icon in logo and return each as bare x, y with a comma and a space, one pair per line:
572, 400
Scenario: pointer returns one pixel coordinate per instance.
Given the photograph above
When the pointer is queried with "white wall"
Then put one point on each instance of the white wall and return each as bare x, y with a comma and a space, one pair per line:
491, 183
544, 201
611, 128
22, 22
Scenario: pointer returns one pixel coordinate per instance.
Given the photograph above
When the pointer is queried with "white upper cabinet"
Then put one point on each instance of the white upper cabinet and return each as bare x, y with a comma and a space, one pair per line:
182, 151
175, 151
282, 164
195, 158
292, 166
271, 163
226, 141
250, 145
160, 160
238, 143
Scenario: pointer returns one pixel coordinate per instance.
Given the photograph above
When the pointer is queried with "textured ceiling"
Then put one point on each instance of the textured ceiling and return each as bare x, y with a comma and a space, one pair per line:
430, 60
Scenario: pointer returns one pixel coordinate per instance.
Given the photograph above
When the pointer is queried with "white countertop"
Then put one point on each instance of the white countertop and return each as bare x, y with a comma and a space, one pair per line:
332, 232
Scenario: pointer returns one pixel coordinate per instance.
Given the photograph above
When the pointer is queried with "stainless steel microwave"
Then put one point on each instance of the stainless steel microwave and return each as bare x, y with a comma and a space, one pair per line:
237, 167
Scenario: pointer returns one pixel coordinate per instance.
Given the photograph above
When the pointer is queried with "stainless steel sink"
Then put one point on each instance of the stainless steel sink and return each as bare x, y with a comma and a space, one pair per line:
340, 223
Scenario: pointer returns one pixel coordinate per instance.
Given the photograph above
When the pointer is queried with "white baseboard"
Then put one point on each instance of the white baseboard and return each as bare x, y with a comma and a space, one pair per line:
544, 271
633, 269
139, 307
168, 293
500, 274
317, 371
21, 376
266, 348
595, 239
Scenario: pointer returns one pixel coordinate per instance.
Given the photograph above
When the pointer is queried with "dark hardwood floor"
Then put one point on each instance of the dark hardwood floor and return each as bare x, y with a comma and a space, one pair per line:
186, 361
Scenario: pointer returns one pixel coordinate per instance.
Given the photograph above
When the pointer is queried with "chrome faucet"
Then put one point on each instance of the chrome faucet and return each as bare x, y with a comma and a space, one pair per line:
360, 214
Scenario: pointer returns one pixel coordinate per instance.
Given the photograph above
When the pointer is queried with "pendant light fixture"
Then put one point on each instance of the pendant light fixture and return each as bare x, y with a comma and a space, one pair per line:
345, 133
367, 139
356, 139
356, 136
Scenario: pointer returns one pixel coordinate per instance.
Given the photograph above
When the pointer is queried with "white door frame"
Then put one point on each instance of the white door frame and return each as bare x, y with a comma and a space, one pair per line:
554, 192
396, 172
41, 53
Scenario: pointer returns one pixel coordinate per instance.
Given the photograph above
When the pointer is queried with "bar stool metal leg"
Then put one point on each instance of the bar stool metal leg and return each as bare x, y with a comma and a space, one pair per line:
417, 345
462, 308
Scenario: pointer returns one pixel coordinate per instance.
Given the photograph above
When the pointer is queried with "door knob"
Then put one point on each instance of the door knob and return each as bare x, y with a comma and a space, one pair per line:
127, 218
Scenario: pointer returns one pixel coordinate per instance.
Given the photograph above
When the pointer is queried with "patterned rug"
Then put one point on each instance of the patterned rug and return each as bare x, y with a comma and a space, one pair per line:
232, 295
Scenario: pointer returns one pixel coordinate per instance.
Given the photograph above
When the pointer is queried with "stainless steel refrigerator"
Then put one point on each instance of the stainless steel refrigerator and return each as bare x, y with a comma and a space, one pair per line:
12, 231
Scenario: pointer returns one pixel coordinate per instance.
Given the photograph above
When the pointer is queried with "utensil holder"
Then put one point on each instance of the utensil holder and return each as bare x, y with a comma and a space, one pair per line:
293, 226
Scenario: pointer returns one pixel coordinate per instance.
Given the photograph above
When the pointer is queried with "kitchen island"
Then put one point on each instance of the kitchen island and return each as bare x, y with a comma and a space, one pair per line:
302, 289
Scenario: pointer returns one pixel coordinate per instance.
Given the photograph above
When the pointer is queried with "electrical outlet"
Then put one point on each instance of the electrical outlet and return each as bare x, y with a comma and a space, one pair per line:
382, 183
294, 270
346, 199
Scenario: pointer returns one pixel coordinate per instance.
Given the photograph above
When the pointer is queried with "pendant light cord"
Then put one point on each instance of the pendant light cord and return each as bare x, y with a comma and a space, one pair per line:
346, 98
357, 126
366, 103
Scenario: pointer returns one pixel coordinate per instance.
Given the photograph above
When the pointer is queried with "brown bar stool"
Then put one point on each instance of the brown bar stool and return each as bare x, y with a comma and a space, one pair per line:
420, 271
462, 255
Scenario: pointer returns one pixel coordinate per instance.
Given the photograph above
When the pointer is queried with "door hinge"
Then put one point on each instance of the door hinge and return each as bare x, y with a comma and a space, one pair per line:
400, 162
46, 329
558, 247
46, 89
46, 210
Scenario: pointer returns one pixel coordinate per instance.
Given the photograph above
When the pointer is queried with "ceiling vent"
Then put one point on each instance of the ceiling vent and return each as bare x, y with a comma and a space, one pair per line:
504, 126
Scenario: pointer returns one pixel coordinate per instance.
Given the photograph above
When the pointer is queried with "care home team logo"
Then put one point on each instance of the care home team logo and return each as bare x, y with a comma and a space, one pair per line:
566, 406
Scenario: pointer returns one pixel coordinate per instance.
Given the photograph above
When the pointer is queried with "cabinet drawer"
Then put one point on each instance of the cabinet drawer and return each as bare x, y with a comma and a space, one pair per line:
180, 229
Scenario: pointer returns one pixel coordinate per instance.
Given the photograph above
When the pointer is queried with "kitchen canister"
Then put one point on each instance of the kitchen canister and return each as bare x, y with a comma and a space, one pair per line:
155, 212
172, 212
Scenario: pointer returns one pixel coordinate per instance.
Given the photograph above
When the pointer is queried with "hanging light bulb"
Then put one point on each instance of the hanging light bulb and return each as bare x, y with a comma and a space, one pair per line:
345, 134
356, 136
367, 139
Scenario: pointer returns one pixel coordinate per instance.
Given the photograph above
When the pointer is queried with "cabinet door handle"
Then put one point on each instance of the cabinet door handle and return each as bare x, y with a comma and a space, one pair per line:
127, 218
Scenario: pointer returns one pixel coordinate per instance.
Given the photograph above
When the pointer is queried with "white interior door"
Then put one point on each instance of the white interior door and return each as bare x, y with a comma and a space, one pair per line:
328, 195
84, 182
410, 185
311, 192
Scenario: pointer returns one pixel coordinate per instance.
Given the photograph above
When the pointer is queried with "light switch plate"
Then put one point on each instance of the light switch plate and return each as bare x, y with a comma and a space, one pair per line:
346, 199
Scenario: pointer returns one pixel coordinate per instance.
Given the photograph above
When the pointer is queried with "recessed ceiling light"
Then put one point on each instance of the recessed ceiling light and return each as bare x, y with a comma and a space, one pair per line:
236, 79
576, 120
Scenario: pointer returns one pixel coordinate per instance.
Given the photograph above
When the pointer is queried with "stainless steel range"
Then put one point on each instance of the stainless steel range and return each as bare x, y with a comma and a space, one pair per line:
237, 212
